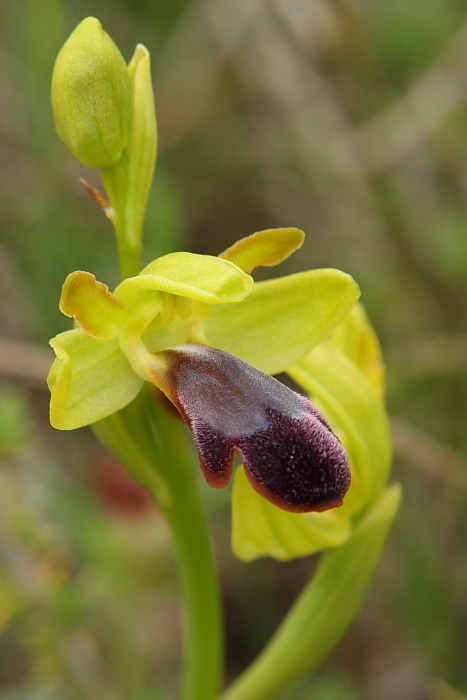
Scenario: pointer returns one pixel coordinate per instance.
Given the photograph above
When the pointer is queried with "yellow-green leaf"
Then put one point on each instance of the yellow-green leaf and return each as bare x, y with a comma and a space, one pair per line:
283, 318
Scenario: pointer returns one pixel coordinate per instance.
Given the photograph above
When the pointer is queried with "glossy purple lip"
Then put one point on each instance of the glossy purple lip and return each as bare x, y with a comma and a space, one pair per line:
290, 454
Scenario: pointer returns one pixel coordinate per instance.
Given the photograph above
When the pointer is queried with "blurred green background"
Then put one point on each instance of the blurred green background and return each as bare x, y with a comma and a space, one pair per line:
346, 118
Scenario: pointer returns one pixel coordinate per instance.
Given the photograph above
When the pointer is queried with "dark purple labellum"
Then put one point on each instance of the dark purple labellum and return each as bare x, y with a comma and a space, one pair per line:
290, 454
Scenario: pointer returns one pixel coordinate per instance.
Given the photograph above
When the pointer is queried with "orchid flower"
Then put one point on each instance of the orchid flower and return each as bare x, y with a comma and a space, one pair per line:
200, 330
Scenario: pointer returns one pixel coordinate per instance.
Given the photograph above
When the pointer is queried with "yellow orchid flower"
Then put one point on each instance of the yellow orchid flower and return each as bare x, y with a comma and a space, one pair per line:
200, 330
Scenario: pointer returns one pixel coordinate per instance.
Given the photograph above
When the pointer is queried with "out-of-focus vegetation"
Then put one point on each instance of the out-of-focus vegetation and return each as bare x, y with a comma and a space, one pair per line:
347, 118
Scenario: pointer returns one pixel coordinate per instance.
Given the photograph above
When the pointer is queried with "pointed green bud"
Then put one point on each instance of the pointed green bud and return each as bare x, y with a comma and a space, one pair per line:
92, 96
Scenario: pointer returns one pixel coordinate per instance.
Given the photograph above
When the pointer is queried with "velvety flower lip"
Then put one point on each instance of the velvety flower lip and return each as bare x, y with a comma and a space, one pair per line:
290, 454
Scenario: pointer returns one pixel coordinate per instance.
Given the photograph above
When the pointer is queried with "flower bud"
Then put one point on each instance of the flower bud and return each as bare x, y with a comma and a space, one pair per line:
92, 96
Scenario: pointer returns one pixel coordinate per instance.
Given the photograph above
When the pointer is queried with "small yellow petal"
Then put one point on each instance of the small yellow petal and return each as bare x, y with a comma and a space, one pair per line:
98, 312
264, 248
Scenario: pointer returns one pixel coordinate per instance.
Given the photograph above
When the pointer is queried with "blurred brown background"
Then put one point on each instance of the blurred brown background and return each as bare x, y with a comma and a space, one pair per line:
346, 118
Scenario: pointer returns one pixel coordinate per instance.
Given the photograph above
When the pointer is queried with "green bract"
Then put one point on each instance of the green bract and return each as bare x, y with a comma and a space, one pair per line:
92, 96
142, 146
127, 183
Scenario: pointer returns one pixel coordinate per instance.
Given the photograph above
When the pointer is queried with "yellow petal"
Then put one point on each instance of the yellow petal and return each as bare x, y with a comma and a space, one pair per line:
282, 319
264, 248
200, 277
357, 414
91, 304
357, 339
89, 380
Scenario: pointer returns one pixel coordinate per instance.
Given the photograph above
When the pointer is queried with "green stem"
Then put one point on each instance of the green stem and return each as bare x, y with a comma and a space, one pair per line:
202, 644
129, 257
152, 444
324, 610
200, 588
115, 180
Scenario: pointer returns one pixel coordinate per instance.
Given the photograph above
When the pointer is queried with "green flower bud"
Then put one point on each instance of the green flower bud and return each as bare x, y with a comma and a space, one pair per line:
92, 96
